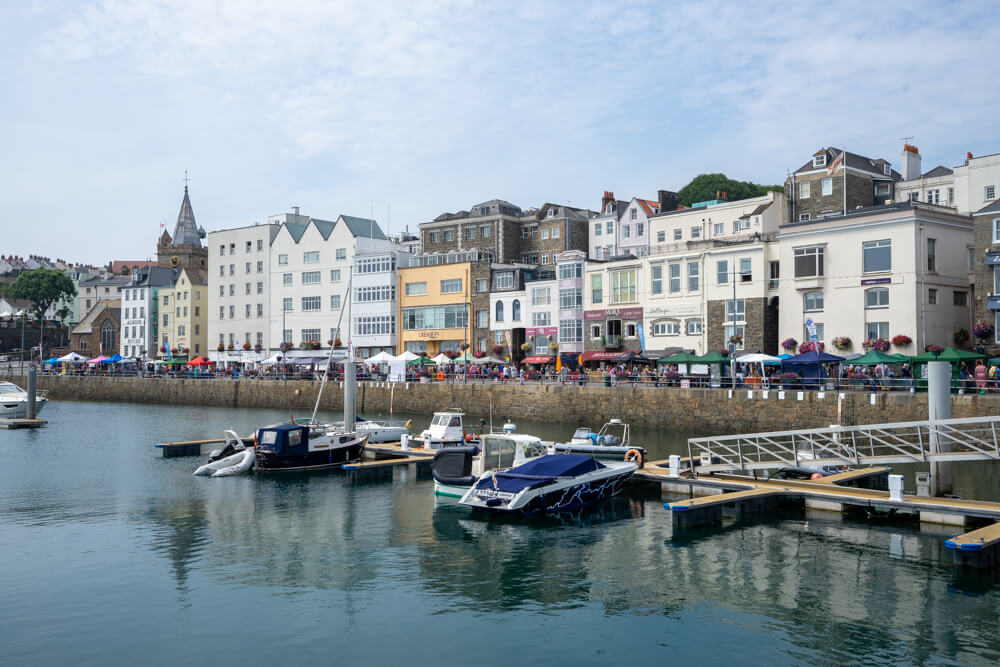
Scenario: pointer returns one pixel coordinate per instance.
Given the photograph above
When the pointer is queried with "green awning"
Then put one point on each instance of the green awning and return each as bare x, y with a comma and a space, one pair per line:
873, 357
713, 358
681, 358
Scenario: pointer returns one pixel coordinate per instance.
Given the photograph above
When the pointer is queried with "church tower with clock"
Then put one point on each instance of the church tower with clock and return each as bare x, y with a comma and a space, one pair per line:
184, 250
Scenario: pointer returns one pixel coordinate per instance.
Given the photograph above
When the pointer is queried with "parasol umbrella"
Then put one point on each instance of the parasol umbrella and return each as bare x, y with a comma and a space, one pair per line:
198, 361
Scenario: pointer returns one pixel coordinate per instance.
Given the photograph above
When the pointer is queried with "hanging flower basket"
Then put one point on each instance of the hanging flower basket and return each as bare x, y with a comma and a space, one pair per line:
789, 344
498, 350
451, 354
736, 340
901, 340
554, 347
933, 348
464, 346
258, 347
230, 346
246, 345
336, 342
185, 350
285, 347
982, 330
842, 342
479, 354
174, 350
810, 346
877, 344
163, 349
526, 347
960, 337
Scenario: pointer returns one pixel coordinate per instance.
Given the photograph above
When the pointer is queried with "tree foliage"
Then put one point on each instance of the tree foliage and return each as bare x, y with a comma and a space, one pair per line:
704, 187
43, 288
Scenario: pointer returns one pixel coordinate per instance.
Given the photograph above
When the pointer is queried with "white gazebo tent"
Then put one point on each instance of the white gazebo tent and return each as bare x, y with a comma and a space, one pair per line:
380, 358
406, 356
73, 357
442, 359
757, 358
487, 360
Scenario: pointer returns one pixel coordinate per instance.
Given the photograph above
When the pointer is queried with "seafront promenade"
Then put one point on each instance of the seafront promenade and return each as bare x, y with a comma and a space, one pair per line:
694, 410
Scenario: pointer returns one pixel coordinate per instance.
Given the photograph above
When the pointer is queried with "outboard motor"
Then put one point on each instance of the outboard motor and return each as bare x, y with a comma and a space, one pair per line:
453, 465
230, 449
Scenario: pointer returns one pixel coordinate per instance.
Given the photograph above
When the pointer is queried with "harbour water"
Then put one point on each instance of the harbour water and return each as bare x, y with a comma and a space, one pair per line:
113, 555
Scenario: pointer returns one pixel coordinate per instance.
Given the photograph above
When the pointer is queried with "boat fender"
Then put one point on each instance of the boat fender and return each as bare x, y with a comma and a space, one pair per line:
634, 455
409, 424
468, 437
816, 475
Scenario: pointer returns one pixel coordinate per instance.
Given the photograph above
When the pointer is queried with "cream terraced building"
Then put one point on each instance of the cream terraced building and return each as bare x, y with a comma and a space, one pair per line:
876, 273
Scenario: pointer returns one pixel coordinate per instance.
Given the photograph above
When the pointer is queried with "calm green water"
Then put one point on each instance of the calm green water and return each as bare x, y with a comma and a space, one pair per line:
113, 555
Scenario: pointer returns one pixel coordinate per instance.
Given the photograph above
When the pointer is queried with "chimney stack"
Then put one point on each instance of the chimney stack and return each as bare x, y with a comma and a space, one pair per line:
722, 195
606, 199
295, 210
667, 200
911, 163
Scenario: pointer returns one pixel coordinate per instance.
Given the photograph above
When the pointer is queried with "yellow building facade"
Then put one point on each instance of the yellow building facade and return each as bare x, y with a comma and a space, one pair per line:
184, 316
434, 308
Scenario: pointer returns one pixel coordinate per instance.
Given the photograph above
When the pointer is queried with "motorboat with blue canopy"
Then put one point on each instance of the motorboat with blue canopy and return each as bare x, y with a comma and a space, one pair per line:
304, 447
550, 483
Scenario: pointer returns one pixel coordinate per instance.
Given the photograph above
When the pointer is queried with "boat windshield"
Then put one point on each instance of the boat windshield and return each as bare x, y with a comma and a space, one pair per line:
582, 433
8, 388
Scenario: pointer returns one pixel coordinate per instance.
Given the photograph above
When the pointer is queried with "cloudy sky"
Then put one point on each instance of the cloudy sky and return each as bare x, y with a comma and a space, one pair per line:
419, 107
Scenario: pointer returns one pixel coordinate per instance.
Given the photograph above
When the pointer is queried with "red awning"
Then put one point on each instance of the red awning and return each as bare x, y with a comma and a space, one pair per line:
538, 360
600, 355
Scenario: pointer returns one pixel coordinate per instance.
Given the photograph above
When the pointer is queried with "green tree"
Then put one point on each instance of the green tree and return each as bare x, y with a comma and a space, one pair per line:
704, 187
43, 288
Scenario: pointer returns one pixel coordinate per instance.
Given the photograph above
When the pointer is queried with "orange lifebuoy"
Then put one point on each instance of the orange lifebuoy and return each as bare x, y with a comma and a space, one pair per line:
634, 455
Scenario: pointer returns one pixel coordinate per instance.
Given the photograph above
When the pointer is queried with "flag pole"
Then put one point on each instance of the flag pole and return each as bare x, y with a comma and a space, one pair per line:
843, 165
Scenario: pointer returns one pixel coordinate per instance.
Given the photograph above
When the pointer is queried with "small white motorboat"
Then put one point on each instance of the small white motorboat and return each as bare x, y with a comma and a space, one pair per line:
446, 430
613, 441
378, 430
14, 401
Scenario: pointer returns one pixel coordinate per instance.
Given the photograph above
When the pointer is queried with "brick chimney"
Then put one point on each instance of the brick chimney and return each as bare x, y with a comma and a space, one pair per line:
911, 163
722, 195
608, 197
667, 200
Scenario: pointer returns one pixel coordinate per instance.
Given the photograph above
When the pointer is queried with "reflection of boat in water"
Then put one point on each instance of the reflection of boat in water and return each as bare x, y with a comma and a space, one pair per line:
378, 430
613, 441
551, 483
455, 469
300, 447
14, 401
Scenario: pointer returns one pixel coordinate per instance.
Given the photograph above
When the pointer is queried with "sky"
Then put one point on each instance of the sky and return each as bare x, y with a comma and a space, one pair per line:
410, 109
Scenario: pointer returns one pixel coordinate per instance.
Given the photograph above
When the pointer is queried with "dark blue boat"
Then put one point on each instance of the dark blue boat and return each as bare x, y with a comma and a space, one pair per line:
304, 447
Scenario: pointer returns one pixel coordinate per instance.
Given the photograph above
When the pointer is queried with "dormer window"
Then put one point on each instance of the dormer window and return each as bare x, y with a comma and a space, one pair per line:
819, 160
608, 208
551, 213
887, 169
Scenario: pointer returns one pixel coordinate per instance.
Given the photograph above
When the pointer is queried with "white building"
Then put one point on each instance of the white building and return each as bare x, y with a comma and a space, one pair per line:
570, 284
603, 228
373, 311
968, 187
140, 310
239, 275
311, 263
877, 273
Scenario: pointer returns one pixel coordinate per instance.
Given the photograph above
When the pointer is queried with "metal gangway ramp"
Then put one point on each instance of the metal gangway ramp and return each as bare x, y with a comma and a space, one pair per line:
965, 439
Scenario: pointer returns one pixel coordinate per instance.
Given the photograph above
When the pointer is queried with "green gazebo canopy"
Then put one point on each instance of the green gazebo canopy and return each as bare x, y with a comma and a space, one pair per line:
420, 361
873, 357
681, 358
713, 358
952, 354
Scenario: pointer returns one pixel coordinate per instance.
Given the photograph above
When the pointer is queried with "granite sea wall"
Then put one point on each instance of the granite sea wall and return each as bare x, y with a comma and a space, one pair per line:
700, 411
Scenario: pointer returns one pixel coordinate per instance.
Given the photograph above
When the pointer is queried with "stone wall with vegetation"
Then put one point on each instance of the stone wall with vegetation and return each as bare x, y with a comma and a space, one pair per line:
701, 411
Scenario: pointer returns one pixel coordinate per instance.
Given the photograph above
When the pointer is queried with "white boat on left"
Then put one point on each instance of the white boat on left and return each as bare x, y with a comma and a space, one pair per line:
14, 401
233, 459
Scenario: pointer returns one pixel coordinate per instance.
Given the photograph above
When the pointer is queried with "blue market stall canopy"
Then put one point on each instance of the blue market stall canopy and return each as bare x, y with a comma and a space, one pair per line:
811, 358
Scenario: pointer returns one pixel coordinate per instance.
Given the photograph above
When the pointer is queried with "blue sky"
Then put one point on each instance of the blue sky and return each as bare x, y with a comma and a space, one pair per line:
422, 107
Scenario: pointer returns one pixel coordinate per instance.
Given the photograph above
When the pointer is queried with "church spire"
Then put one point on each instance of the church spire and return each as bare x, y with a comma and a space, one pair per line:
186, 230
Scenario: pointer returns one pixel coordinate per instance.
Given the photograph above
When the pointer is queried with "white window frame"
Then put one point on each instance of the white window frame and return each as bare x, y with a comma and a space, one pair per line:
804, 190
819, 160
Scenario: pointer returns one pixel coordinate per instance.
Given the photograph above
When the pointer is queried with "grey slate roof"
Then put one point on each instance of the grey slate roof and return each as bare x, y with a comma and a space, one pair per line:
363, 227
757, 211
296, 229
938, 171
155, 276
852, 160
325, 227
990, 208
186, 230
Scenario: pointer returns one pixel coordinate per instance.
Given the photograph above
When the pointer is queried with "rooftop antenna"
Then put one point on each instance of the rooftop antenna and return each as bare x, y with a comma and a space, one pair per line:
186, 180
907, 140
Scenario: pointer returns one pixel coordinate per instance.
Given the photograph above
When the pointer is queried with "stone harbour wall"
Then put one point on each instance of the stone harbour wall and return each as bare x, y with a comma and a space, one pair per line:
697, 411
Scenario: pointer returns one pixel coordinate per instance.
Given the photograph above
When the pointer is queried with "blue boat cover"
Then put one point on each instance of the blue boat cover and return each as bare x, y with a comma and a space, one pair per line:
543, 469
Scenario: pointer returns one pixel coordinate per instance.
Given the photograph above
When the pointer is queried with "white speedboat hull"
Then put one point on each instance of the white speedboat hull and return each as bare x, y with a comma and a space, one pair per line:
215, 466
18, 409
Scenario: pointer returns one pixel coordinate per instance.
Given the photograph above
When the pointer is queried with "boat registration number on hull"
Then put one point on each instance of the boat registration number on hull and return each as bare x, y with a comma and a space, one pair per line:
493, 493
